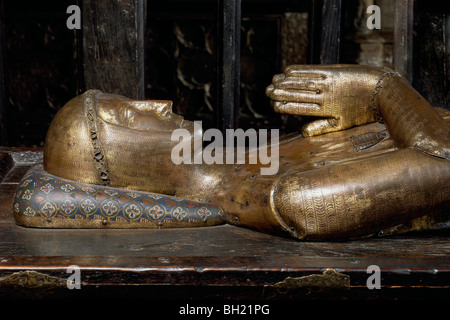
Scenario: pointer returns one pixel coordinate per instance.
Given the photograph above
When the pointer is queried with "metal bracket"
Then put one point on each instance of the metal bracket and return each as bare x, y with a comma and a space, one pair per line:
327, 281
32, 279
367, 140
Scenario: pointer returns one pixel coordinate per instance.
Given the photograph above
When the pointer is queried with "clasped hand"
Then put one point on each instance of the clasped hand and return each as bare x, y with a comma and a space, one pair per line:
341, 94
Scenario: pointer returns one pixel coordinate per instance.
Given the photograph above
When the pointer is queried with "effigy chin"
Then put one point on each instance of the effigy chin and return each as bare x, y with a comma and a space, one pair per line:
375, 161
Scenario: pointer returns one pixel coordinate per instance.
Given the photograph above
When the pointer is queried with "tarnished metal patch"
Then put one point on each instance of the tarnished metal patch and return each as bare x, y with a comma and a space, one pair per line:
327, 281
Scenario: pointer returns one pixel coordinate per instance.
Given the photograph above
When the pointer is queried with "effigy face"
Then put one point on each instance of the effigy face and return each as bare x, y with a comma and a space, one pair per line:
342, 176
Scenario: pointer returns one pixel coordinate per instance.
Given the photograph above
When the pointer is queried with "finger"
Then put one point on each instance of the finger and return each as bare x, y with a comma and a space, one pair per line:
278, 77
289, 95
321, 126
296, 83
269, 90
306, 71
301, 109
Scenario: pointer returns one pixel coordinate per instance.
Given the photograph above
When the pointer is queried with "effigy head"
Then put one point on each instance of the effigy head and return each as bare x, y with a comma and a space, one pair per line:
106, 166
97, 126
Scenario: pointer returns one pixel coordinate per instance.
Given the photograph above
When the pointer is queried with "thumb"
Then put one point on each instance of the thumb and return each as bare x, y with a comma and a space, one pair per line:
319, 127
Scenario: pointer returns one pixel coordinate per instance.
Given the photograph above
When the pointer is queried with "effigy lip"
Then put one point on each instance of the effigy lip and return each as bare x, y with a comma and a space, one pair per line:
42, 200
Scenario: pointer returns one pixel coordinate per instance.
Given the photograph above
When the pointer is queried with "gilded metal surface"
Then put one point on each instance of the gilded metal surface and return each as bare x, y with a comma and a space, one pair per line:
135, 139
367, 140
342, 94
324, 188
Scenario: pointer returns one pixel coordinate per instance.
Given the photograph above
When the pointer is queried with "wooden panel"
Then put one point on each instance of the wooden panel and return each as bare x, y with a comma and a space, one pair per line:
325, 31
331, 31
113, 42
403, 37
431, 72
2, 76
40, 69
229, 17
447, 58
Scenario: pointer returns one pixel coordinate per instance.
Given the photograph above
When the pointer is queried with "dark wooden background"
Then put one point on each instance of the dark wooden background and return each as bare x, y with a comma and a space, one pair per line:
181, 50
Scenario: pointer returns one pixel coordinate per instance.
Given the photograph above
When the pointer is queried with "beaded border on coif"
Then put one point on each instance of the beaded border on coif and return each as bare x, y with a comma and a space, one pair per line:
378, 87
90, 103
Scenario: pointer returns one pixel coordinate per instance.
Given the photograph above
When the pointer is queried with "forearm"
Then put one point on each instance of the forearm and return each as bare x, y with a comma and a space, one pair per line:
411, 120
362, 197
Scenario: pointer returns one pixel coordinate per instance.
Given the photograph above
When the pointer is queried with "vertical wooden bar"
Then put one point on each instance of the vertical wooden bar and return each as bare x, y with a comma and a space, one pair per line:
3, 140
324, 31
447, 61
229, 17
314, 27
113, 46
330, 31
430, 70
403, 37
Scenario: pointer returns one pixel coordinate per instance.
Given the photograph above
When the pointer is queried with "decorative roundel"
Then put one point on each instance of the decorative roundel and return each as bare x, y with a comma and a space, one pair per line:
67, 207
132, 211
110, 208
179, 214
156, 212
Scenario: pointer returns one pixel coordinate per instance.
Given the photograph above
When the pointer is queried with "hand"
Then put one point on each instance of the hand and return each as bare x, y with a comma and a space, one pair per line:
342, 94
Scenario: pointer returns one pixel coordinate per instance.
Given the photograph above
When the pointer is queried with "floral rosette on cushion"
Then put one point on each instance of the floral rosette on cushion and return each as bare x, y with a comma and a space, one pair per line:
47, 201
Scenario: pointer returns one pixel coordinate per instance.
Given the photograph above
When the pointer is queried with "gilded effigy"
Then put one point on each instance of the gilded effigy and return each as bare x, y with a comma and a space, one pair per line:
374, 161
